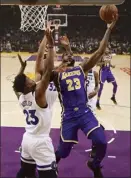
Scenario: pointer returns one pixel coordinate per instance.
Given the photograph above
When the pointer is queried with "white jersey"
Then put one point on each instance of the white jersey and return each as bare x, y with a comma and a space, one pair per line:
36, 143
38, 120
51, 94
90, 82
90, 85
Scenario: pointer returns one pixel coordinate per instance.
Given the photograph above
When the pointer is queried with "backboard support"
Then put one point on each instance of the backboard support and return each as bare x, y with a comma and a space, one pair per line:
65, 2
60, 19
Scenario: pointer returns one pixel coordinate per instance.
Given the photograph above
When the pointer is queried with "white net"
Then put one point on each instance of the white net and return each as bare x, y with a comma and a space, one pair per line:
33, 17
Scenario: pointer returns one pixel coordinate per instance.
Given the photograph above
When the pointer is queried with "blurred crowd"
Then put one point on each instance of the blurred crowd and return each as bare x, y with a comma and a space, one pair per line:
15, 40
84, 31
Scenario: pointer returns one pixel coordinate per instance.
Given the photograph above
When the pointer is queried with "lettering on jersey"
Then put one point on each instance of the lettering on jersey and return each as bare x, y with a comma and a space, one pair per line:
70, 74
90, 77
26, 103
87, 83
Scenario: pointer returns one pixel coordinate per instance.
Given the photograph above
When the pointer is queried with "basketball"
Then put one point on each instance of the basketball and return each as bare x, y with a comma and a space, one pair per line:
107, 12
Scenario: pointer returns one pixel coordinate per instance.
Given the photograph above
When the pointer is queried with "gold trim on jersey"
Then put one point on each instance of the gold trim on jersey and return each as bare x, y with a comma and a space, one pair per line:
82, 70
100, 73
59, 93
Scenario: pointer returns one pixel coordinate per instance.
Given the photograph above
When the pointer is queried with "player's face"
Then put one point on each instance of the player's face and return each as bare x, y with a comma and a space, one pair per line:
107, 51
67, 58
29, 83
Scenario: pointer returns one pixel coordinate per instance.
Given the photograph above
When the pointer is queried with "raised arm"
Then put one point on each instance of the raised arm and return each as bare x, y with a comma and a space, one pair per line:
23, 65
39, 66
49, 65
87, 65
21, 71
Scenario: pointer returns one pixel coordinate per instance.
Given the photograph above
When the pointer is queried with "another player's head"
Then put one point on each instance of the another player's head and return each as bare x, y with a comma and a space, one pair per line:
107, 51
23, 84
68, 59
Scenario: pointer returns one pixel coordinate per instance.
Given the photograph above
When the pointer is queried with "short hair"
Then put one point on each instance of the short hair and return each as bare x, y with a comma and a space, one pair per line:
19, 83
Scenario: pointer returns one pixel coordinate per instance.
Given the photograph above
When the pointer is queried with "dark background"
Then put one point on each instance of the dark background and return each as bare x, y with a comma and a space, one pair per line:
85, 29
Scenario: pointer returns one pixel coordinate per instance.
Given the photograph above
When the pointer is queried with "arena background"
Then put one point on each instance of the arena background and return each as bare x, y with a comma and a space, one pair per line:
85, 30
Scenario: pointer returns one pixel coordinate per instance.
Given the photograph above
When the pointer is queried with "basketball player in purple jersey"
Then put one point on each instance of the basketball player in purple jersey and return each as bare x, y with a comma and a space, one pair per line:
105, 74
70, 84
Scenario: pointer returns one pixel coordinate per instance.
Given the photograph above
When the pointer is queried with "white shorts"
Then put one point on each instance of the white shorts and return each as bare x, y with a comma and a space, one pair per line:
92, 103
39, 151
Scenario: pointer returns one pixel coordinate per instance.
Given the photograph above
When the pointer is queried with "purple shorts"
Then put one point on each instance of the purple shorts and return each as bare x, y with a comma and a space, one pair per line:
70, 126
106, 75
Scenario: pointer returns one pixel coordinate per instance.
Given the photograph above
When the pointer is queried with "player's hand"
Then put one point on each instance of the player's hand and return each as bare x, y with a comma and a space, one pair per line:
64, 41
23, 63
48, 26
111, 26
92, 94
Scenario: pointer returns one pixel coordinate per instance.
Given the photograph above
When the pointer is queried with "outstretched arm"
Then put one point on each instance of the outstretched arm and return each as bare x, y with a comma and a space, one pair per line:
39, 66
49, 65
87, 65
21, 71
23, 65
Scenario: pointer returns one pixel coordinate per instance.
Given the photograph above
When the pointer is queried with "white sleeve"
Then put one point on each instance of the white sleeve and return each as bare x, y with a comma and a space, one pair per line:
51, 97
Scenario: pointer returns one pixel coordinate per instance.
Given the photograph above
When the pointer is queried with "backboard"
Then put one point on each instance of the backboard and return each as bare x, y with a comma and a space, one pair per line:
64, 2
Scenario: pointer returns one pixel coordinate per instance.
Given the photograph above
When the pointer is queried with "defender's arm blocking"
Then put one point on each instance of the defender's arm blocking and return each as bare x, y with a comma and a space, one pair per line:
49, 65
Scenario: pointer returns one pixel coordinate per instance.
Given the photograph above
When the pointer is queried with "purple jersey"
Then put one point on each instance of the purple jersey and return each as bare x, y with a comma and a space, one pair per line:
72, 90
106, 59
76, 115
105, 73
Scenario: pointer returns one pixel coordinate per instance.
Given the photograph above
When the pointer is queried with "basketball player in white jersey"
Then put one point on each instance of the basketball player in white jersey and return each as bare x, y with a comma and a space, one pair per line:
92, 86
37, 148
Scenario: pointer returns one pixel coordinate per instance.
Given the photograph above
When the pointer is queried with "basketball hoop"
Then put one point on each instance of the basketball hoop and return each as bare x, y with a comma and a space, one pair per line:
33, 17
